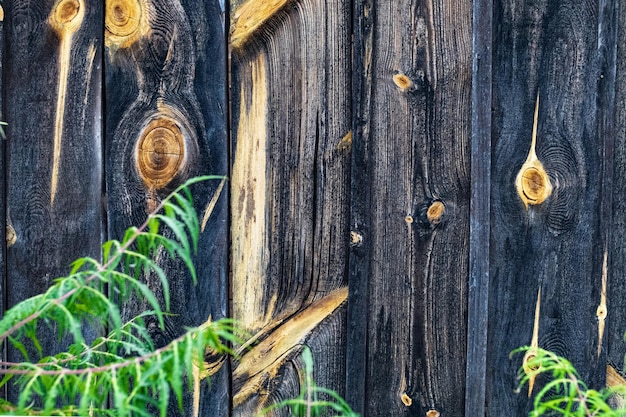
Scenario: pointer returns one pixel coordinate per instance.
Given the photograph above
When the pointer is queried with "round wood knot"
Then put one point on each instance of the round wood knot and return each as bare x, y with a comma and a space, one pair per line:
530, 356
402, 82
67, 15
356, 239
160, 152
123, 22
601, 312
435, 212
535, 185
406, 400
432, 413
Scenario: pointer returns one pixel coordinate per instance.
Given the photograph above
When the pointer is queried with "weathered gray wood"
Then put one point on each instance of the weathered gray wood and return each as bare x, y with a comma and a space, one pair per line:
547, 258
616, 286
410, 218
290, 191
166, 80
4, 230
480, 209
52, 96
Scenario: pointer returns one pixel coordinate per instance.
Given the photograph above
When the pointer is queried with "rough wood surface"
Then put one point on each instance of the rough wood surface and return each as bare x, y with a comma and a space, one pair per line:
52, 96
5, 230
480, 209
410, 208
290, 184
616, 288
551, 253
166, 121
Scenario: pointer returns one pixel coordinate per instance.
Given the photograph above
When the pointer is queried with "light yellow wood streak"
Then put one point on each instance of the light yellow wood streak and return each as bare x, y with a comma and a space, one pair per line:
532, 182
65, 18
249, 237
345, 142
602, 311
250, 16
266, 358
11, 237
91, 57
534, 345
614, 378
1, 14
211, 206
125, 21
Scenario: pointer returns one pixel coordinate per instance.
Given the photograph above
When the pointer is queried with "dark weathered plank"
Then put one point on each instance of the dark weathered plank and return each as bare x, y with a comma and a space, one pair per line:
4, 230
547, 240
166, 81
480, 209
290, 191
410, 215
616, 262
54, 142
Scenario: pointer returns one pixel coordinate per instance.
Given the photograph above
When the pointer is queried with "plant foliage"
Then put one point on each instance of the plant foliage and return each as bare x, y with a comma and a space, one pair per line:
310, 402
565, 394
121, 373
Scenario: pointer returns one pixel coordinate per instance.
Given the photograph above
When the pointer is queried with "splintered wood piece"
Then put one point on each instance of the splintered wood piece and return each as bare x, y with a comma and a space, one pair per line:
268, 356
250, 16
532, 182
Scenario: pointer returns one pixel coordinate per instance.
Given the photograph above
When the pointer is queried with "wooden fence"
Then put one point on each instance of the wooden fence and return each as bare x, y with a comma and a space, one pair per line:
388, 206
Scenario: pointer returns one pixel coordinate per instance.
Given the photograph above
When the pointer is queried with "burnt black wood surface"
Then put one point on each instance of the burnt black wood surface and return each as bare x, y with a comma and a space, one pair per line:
563, 53
169, 84
53, 224
616, 320
3, 222
410, 208
389, 168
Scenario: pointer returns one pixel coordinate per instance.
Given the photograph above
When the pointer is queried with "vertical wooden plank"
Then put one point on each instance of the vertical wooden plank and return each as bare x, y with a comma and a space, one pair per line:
166, 82
291, 144
480, 209
547, 230
360, 211
616, 318
5, 236
410, 219
54, 142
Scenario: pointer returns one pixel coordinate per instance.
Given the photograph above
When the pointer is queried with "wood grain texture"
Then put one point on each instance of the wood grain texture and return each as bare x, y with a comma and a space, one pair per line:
290, 187
550, 50
409, 263
6, 230
616, 319
480, 209
166, 122
50, 232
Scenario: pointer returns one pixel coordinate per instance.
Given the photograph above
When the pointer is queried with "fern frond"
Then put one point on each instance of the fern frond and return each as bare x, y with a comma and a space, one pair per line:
124, 365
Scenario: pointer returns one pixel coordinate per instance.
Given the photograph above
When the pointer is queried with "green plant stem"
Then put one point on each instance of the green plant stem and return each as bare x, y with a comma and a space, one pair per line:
92, 277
